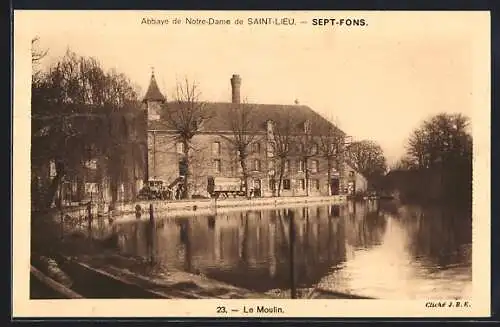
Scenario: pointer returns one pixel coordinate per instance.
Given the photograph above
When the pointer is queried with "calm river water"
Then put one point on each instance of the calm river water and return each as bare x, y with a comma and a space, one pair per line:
366, 248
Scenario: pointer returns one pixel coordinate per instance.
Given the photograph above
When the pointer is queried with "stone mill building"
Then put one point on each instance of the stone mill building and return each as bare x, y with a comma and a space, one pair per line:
212, 155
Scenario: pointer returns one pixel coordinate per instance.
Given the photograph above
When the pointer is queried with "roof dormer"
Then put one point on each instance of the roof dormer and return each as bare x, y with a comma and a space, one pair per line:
269, 126
307, 127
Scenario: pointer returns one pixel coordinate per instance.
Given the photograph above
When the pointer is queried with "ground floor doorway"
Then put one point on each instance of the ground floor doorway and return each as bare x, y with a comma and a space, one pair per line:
257, 188
335, 186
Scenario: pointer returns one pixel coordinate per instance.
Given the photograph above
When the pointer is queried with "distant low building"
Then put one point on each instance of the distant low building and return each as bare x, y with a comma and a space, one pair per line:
356, 183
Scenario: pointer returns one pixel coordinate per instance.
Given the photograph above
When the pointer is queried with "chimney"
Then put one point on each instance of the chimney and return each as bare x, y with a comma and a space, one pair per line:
235, 86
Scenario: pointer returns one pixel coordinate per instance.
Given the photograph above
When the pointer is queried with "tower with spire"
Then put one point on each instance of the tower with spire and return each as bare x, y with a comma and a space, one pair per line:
153, 99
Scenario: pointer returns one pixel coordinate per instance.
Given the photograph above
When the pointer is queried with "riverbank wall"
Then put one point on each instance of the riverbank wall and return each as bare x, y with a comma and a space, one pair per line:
185, 207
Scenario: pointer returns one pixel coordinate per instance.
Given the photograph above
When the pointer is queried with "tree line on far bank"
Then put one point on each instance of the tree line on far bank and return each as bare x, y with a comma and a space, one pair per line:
436, 166
438, 161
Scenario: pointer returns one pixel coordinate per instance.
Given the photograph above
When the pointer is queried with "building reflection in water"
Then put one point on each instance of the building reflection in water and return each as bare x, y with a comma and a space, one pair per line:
358, 247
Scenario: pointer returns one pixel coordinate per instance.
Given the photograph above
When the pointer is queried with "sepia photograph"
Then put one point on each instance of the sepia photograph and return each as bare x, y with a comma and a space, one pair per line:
320, 157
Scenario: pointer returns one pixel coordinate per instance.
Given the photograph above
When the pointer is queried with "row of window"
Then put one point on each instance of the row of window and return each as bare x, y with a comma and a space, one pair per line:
256, 166
306, 126
287, 185
255, 148
272, 147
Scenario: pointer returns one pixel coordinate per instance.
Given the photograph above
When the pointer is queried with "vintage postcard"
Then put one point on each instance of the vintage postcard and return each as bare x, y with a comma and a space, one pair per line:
265, 164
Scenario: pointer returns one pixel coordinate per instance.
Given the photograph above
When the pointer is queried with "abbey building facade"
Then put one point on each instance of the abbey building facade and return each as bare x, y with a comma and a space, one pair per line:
318, 169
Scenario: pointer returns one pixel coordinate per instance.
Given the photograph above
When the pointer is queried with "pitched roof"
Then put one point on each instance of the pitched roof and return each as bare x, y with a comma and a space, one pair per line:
153, 93
220, 113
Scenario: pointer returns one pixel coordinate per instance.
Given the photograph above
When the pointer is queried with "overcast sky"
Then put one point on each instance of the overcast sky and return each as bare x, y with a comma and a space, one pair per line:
378, 82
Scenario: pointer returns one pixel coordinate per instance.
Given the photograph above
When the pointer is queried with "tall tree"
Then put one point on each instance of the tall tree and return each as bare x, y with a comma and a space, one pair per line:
281, 146
331, 146
243, 135
442, 146
186, 115
368, 158
442, 140
77, 111
307, 147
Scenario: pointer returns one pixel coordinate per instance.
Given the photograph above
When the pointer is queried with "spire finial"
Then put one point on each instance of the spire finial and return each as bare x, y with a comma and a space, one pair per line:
152, 71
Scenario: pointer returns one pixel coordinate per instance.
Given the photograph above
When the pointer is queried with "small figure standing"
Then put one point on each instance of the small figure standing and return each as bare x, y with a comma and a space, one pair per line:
181, 192
178, 192
138, 211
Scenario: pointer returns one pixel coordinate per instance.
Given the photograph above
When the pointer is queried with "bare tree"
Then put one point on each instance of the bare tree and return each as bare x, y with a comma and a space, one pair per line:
307, 148
243, 135
438, 151
80, 112
443, 144
37, 54
368, 158
186, 115
198, 168
417, 154
331, 145
440, 140
280, 145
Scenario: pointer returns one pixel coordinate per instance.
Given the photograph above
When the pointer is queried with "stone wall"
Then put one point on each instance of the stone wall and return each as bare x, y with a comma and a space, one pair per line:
182, 207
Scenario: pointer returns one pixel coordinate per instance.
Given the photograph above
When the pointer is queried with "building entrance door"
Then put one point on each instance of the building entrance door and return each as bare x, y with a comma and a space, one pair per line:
272, 186
256, 188
334, 186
